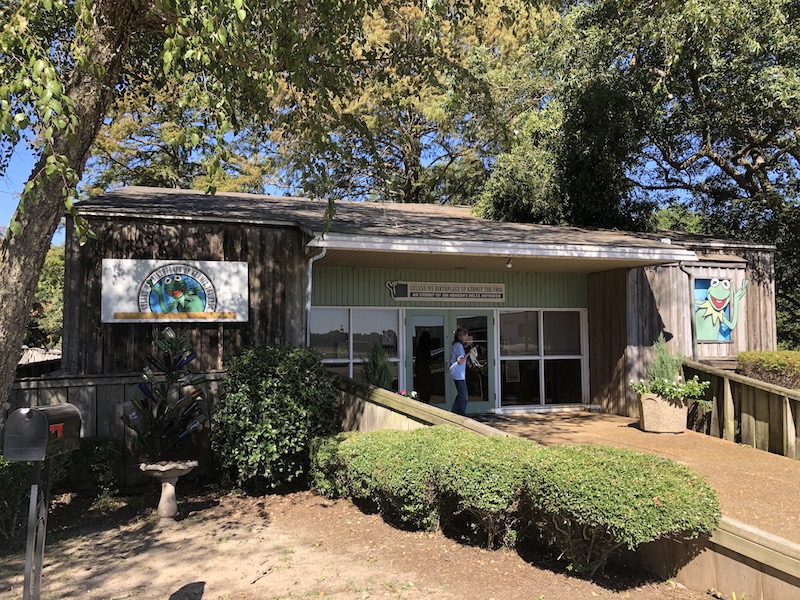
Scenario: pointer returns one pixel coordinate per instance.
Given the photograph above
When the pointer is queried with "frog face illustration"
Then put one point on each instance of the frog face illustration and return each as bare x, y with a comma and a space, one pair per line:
719, 293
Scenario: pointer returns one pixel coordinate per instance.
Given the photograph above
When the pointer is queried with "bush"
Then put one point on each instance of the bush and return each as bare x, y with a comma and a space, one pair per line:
328, 470
273, 402
778, 368
591, 500
482, 480
96, 466
14, 495
377, 368
586, 501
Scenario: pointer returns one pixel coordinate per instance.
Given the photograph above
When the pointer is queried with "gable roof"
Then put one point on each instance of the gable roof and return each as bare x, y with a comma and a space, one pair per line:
409, 236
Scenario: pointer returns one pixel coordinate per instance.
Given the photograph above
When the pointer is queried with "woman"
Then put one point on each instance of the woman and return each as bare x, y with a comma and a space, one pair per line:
458, 369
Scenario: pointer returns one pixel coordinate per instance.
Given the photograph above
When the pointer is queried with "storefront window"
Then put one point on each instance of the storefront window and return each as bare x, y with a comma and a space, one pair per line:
519, 333
330, 330
370, 326
562, 333
562, 380
527, 341
519, 382
344, 352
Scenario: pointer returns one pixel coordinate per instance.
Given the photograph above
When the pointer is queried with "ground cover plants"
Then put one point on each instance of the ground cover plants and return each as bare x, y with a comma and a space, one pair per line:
584, 501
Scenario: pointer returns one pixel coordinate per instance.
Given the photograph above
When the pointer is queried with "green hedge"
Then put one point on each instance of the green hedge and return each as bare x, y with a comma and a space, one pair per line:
590, 500
778, 368
585, 501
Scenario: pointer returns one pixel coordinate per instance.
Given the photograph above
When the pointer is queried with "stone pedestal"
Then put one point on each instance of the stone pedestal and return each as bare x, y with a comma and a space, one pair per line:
168, 472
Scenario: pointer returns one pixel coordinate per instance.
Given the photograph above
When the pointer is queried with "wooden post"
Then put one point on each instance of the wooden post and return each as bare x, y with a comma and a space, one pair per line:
789, 430
728, 417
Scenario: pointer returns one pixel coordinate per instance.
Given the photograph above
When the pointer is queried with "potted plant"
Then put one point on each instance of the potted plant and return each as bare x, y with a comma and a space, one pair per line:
664, 396
170, 410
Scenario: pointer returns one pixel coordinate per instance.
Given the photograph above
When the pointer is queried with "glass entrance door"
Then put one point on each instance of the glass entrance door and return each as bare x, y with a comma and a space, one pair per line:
429, 336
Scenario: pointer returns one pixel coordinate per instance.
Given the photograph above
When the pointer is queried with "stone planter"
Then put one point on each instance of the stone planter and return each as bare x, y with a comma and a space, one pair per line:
168, 472
659, 415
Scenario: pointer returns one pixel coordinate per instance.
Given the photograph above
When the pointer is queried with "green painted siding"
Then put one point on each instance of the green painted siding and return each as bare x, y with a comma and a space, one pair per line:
336, 286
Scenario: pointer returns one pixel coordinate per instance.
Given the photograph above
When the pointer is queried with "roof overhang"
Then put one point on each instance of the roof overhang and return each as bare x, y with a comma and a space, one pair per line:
431, 254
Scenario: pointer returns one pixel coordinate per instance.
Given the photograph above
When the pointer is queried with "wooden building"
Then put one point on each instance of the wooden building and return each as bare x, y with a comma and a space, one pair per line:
561, 317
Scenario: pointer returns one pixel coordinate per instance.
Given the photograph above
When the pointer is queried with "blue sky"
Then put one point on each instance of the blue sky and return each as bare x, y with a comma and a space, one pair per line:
11, 184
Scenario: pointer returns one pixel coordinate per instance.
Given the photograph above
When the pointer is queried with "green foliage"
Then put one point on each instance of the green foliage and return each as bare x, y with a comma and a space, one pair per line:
395, 471
273, 402
522, 188
664, 378
378, 368
778, 368
96, 467
586, 501
591, 500
327, 469
481, 479
46, 322
14, 494
172, 408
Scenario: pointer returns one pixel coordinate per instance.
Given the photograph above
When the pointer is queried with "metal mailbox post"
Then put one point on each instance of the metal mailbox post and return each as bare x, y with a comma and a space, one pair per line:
37, 435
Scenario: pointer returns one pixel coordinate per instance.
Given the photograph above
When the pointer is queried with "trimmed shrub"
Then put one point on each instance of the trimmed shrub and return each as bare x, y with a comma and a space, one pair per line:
586, 501
778, 368
96, 466
393, 471
273, 402
328, 470
591, 500
482, 480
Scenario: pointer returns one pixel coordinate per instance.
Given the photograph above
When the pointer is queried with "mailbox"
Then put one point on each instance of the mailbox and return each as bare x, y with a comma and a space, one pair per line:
41, 432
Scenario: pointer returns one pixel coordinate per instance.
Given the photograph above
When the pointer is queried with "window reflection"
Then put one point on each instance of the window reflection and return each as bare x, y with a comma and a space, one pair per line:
519, 333
519, 382
371, 326
562, 381
330, 330
562, 333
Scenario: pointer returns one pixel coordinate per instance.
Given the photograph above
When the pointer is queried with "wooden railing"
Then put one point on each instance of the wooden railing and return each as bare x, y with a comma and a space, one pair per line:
748, 411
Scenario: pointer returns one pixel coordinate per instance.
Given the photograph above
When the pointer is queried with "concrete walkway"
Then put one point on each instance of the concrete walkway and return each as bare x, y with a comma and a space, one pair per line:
758, 488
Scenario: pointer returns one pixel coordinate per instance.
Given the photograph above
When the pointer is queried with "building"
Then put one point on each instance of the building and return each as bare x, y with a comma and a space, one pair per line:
561, 317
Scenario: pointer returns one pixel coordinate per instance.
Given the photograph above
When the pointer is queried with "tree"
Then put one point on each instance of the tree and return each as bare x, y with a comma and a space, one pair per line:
715, 90
64, 62
426, 125
391, 137
143, 142
47, 316
667, 104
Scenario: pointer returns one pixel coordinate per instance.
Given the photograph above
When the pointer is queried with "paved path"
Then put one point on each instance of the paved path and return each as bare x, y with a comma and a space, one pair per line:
754, 486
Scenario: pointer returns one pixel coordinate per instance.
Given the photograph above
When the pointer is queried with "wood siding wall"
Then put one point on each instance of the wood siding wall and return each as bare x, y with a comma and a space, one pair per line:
646, 301
608, 324
277, 291
336, 286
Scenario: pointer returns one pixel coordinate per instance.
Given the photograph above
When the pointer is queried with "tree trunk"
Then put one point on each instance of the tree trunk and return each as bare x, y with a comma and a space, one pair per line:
22, 255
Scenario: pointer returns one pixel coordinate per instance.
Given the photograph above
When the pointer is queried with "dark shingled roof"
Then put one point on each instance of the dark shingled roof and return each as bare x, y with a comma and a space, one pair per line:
421, 221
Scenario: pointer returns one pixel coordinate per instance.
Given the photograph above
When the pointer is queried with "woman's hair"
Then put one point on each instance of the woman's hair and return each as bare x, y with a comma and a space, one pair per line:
458, 333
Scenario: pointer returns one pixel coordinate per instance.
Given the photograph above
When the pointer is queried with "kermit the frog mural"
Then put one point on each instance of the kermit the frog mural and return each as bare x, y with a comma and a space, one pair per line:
716, 308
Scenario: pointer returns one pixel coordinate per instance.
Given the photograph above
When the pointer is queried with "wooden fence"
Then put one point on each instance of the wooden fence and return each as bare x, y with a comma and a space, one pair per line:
99, 400
748, 411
